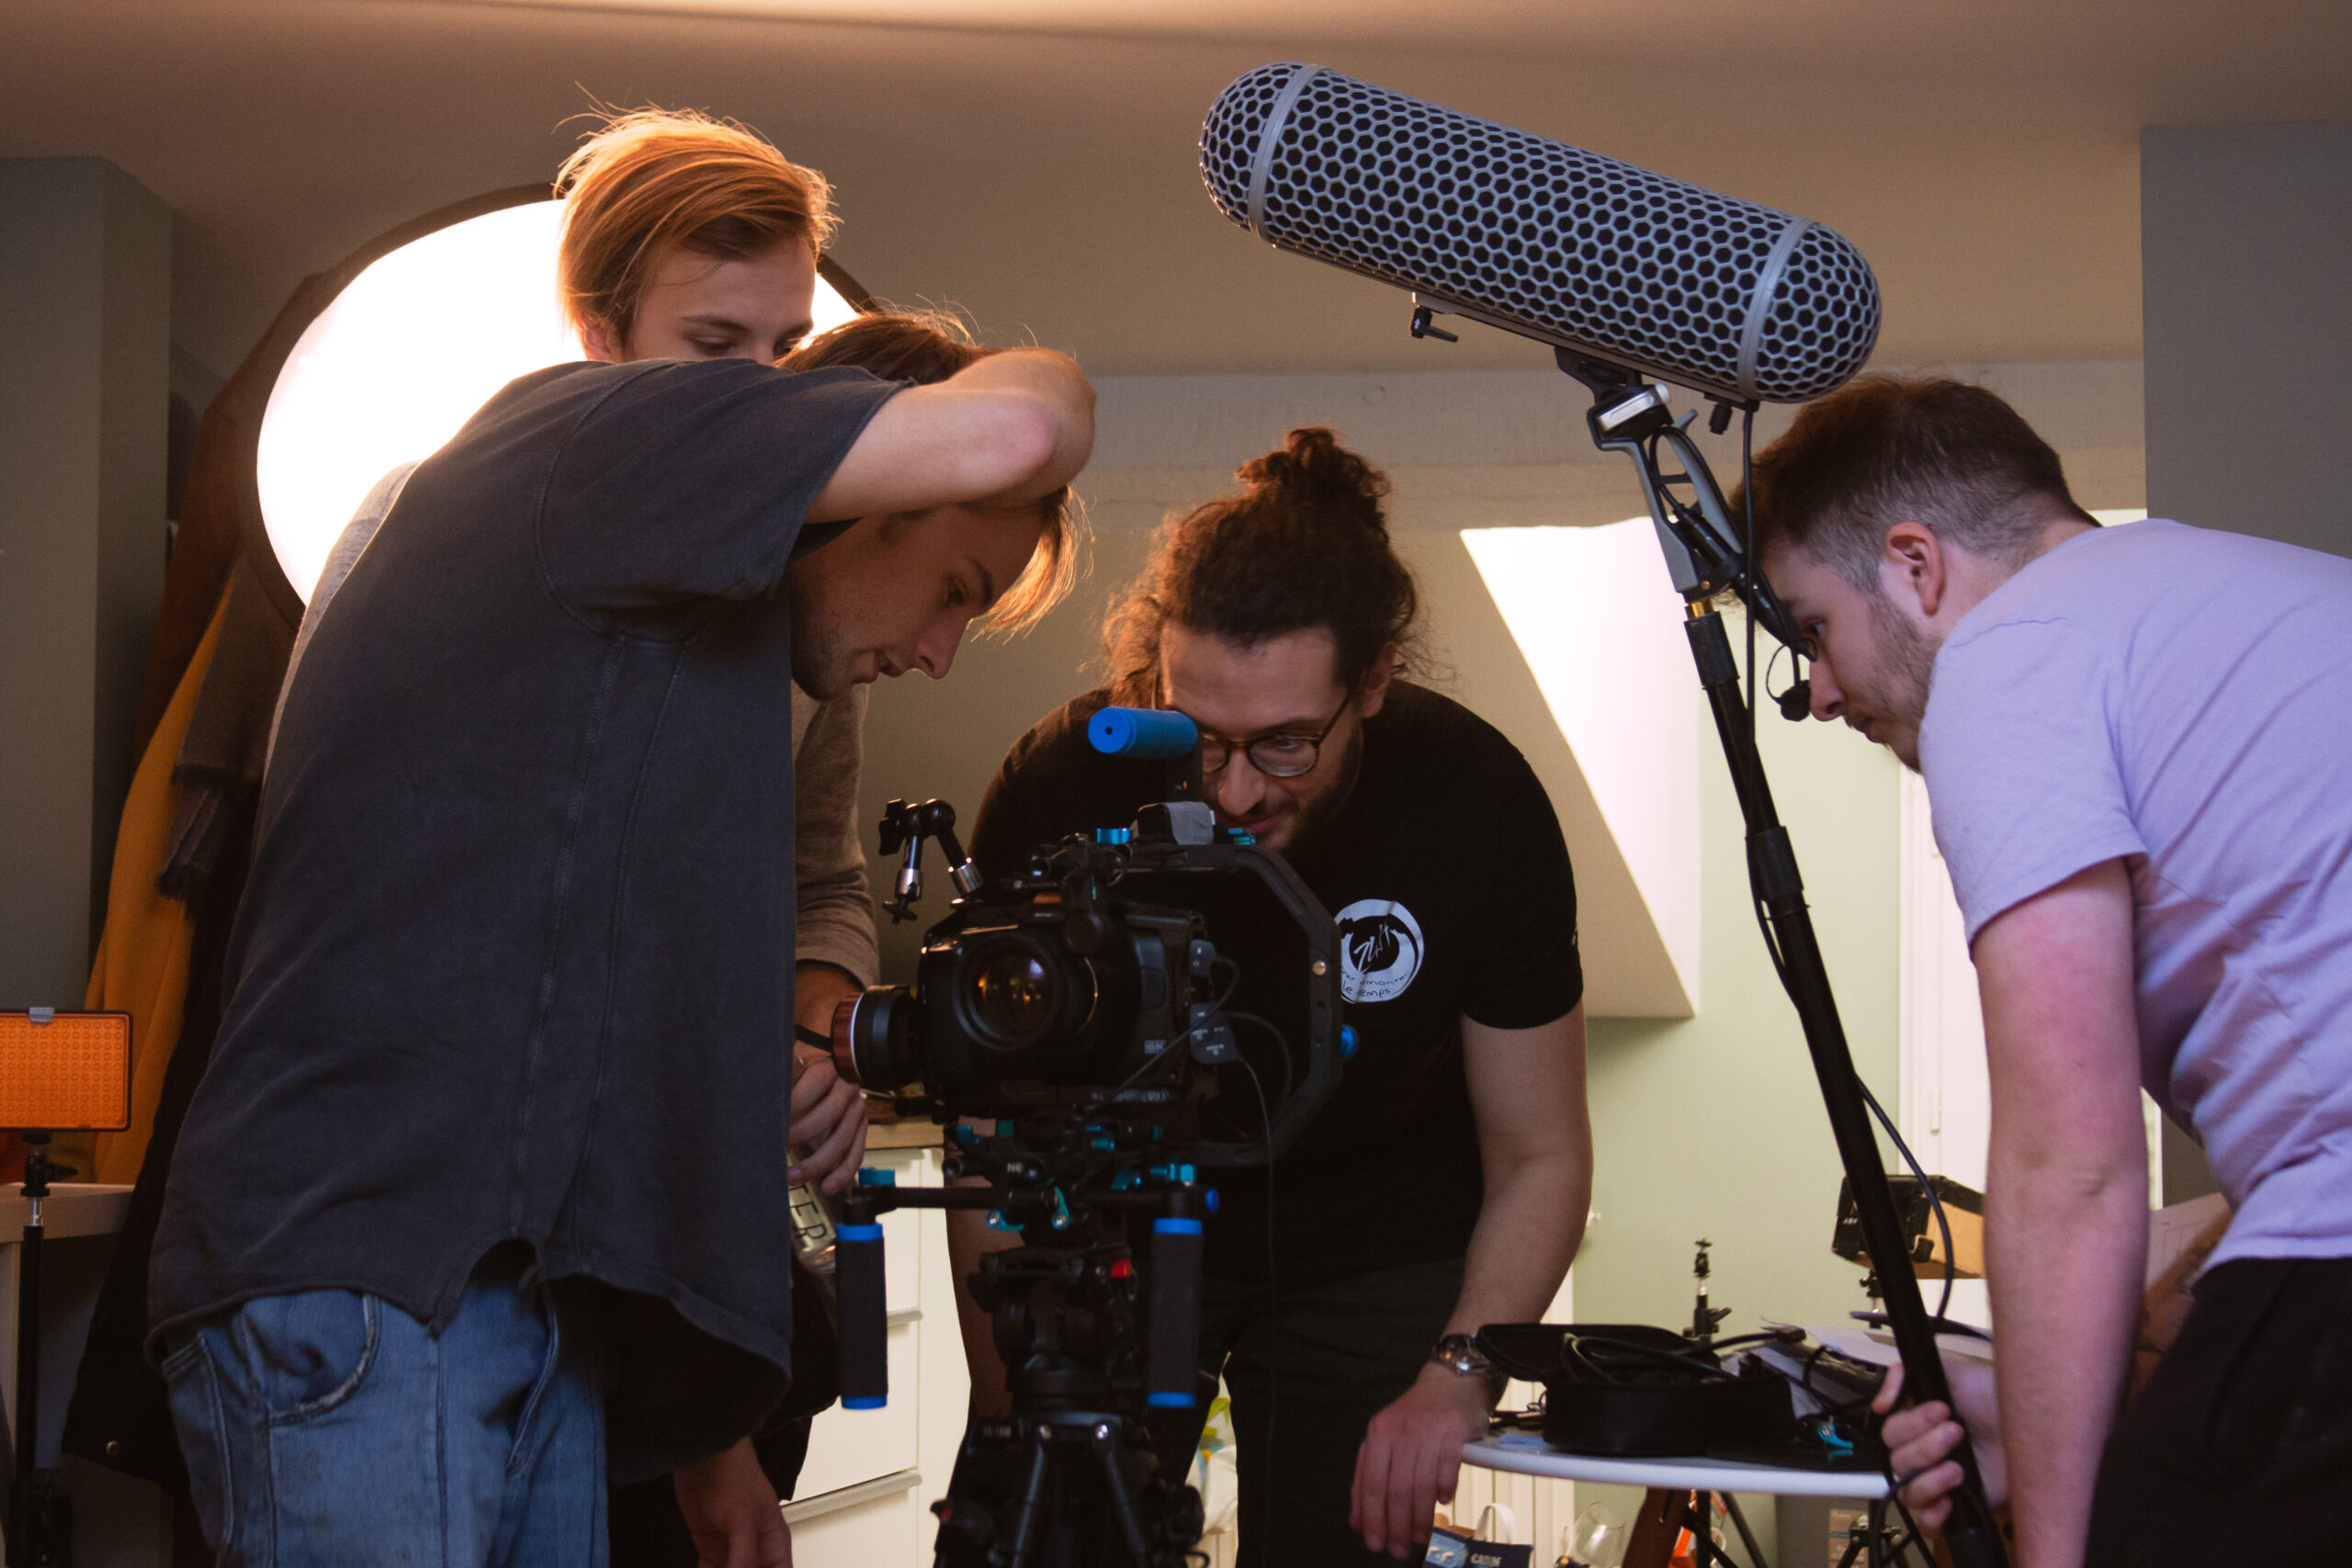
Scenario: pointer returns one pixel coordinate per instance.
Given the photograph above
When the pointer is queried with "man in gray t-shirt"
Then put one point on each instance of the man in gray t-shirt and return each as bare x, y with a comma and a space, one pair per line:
2137, 744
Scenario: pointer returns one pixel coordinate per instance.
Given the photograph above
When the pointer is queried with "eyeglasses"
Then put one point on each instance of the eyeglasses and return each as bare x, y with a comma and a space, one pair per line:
1279, 755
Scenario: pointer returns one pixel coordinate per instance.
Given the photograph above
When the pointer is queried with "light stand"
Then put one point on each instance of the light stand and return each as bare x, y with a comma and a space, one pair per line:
1708, 558
59, 1072
40, 1522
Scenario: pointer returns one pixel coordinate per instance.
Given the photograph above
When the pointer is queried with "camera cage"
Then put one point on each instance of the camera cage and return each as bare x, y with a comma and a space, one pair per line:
1080, 876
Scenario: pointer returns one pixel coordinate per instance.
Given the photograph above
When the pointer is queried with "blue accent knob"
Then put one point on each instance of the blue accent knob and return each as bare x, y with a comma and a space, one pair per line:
1113, 835
864, 1401
1161, 1401
1347, 1041
874, 1176
1142, 732
1212, 1202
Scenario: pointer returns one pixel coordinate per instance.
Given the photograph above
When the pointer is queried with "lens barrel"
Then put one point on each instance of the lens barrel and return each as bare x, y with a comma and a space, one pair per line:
871, 1039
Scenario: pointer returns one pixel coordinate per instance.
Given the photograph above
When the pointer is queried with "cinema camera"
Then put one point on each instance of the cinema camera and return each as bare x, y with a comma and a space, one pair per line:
1075, 1007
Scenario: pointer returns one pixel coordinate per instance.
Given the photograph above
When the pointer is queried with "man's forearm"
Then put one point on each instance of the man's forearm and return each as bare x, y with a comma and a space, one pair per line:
1529, 1228
1060, 389
2066, 1250
2066, 1191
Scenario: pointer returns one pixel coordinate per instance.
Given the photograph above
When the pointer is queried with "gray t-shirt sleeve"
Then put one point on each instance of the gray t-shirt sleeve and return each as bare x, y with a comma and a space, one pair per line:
691, 480
2019, 749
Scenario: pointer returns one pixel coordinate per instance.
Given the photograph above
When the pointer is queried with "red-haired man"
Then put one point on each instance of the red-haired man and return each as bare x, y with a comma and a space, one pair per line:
483, 1193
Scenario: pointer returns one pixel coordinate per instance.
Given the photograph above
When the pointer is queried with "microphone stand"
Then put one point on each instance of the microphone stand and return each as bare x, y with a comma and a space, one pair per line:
1707, 558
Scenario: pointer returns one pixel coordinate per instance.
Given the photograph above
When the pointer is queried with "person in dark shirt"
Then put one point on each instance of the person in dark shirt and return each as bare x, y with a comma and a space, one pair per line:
1445, 1184
483, 1195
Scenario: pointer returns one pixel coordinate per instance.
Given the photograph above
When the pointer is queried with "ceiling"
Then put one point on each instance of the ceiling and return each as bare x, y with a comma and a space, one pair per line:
1033, 161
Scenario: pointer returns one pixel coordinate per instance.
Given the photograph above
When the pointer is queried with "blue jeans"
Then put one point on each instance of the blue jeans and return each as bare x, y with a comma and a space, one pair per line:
330, 1427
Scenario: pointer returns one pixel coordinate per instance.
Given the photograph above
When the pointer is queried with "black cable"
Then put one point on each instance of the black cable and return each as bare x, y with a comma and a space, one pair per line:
1838, 1408
1940, 1325
1913, 1534
1943, 1223
1290, 1068
1170, 1054
1749, 565
1750, 618
1273, 1296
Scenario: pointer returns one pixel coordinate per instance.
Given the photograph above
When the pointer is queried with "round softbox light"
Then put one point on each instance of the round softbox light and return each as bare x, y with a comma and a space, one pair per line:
401, 355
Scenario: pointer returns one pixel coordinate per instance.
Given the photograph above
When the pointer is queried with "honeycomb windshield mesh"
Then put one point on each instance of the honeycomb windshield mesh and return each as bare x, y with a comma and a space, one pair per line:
1565, 244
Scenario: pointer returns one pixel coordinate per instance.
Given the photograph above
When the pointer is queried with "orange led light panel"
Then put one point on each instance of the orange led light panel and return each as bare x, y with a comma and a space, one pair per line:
71, 1073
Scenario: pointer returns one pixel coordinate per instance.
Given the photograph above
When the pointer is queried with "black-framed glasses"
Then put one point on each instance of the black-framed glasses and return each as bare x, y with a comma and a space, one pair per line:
1279, 755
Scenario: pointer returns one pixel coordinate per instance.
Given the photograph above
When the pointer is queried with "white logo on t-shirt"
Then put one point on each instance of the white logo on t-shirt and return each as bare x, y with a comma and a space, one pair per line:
1380, 949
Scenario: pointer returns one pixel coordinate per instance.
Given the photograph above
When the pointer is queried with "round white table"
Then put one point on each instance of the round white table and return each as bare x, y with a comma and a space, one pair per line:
1524, 1453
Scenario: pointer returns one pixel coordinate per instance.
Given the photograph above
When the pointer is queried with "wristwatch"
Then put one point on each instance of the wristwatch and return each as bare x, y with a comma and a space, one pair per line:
1461, 1354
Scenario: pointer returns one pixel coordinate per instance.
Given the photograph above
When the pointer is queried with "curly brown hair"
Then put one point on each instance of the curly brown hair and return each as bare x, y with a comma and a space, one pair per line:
1305, 544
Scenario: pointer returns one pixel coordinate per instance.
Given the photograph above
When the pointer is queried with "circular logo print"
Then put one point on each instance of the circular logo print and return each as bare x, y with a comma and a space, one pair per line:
1380, 949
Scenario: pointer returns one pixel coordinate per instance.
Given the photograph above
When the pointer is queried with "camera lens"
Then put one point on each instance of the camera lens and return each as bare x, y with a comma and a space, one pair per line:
1012, 996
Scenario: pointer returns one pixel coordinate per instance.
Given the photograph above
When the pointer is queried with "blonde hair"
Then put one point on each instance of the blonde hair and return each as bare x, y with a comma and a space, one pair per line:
652, 178
926, 348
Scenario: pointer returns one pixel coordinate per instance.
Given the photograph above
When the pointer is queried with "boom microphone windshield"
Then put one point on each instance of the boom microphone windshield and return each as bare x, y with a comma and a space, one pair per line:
1540, 238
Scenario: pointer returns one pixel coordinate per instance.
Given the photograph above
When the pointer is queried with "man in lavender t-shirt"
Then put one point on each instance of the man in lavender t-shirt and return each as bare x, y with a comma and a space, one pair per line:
2138, 746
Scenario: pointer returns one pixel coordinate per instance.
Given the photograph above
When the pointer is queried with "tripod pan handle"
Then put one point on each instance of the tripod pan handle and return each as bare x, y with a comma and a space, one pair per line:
864, 1324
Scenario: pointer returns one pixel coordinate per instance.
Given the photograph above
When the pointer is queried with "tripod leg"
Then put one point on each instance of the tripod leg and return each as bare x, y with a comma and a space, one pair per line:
1858, 1535
1656, 1527
1122, 1508
1746, 1536
1033, 1493
25, 1522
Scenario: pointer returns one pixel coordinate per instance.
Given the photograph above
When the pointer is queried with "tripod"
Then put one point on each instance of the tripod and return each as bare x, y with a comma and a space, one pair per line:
1070, 1477
1706, 557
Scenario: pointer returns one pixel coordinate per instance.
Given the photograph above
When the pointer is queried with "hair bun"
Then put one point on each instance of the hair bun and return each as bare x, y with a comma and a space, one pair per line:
1314, 470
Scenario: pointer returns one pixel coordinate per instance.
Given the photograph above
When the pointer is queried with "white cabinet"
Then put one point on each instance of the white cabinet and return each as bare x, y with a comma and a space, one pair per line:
864, 1496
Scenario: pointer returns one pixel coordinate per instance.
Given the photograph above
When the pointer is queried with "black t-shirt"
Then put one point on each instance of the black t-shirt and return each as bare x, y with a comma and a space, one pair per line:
515, 958
1389, 1174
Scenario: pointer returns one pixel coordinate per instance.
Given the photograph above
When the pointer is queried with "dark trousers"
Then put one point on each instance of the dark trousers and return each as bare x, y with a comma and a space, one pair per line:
2239, 1448
647, 1531
1305, 1379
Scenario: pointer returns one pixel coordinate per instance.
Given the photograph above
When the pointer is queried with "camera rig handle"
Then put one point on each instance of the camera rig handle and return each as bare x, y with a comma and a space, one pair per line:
905, 827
